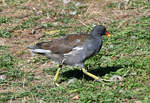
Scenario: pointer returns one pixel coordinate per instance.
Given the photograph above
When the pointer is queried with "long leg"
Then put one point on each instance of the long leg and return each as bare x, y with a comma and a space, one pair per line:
93, 76
57, 73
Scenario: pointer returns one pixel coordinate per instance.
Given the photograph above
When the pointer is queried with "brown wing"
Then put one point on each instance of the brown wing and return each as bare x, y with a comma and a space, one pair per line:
64, 45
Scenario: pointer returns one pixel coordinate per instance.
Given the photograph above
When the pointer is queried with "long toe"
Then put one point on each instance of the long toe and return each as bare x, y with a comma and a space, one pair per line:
103, 80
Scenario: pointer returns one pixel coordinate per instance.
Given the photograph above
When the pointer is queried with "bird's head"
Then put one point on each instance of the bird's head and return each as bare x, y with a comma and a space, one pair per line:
99, 30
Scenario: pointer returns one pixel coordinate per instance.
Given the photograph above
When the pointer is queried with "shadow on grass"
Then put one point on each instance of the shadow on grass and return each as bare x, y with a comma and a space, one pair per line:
101, 71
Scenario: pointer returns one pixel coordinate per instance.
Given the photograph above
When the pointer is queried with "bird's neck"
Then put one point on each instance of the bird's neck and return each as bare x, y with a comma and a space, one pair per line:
95, 34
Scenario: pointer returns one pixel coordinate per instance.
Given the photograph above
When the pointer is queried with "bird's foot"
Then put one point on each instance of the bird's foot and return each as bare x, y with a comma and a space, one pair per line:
95, 77
55, 84
103, 80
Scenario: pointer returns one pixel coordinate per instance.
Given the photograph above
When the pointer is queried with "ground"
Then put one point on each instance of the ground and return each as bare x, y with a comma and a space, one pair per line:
124, 57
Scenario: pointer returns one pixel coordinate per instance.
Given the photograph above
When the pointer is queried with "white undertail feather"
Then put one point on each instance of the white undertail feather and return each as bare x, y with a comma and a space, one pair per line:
40, 51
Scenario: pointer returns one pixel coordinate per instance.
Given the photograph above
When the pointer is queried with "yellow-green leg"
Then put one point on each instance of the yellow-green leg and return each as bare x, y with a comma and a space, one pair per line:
56, 75
58, 70
92, 75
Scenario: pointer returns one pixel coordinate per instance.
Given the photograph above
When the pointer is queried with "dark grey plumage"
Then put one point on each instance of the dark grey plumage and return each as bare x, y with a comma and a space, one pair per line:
72, 49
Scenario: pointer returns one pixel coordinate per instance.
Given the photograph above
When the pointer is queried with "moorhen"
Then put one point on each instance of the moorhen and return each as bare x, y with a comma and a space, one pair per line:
72, 49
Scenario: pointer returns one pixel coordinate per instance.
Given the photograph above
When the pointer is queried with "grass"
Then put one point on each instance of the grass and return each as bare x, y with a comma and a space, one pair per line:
4, 20
125, 54
5, 34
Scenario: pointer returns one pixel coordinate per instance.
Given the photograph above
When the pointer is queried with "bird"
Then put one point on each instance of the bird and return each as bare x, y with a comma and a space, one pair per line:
73, 49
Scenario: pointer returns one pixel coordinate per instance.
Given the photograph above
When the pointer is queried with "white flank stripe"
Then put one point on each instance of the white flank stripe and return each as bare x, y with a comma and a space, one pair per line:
78, 48
74, 51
